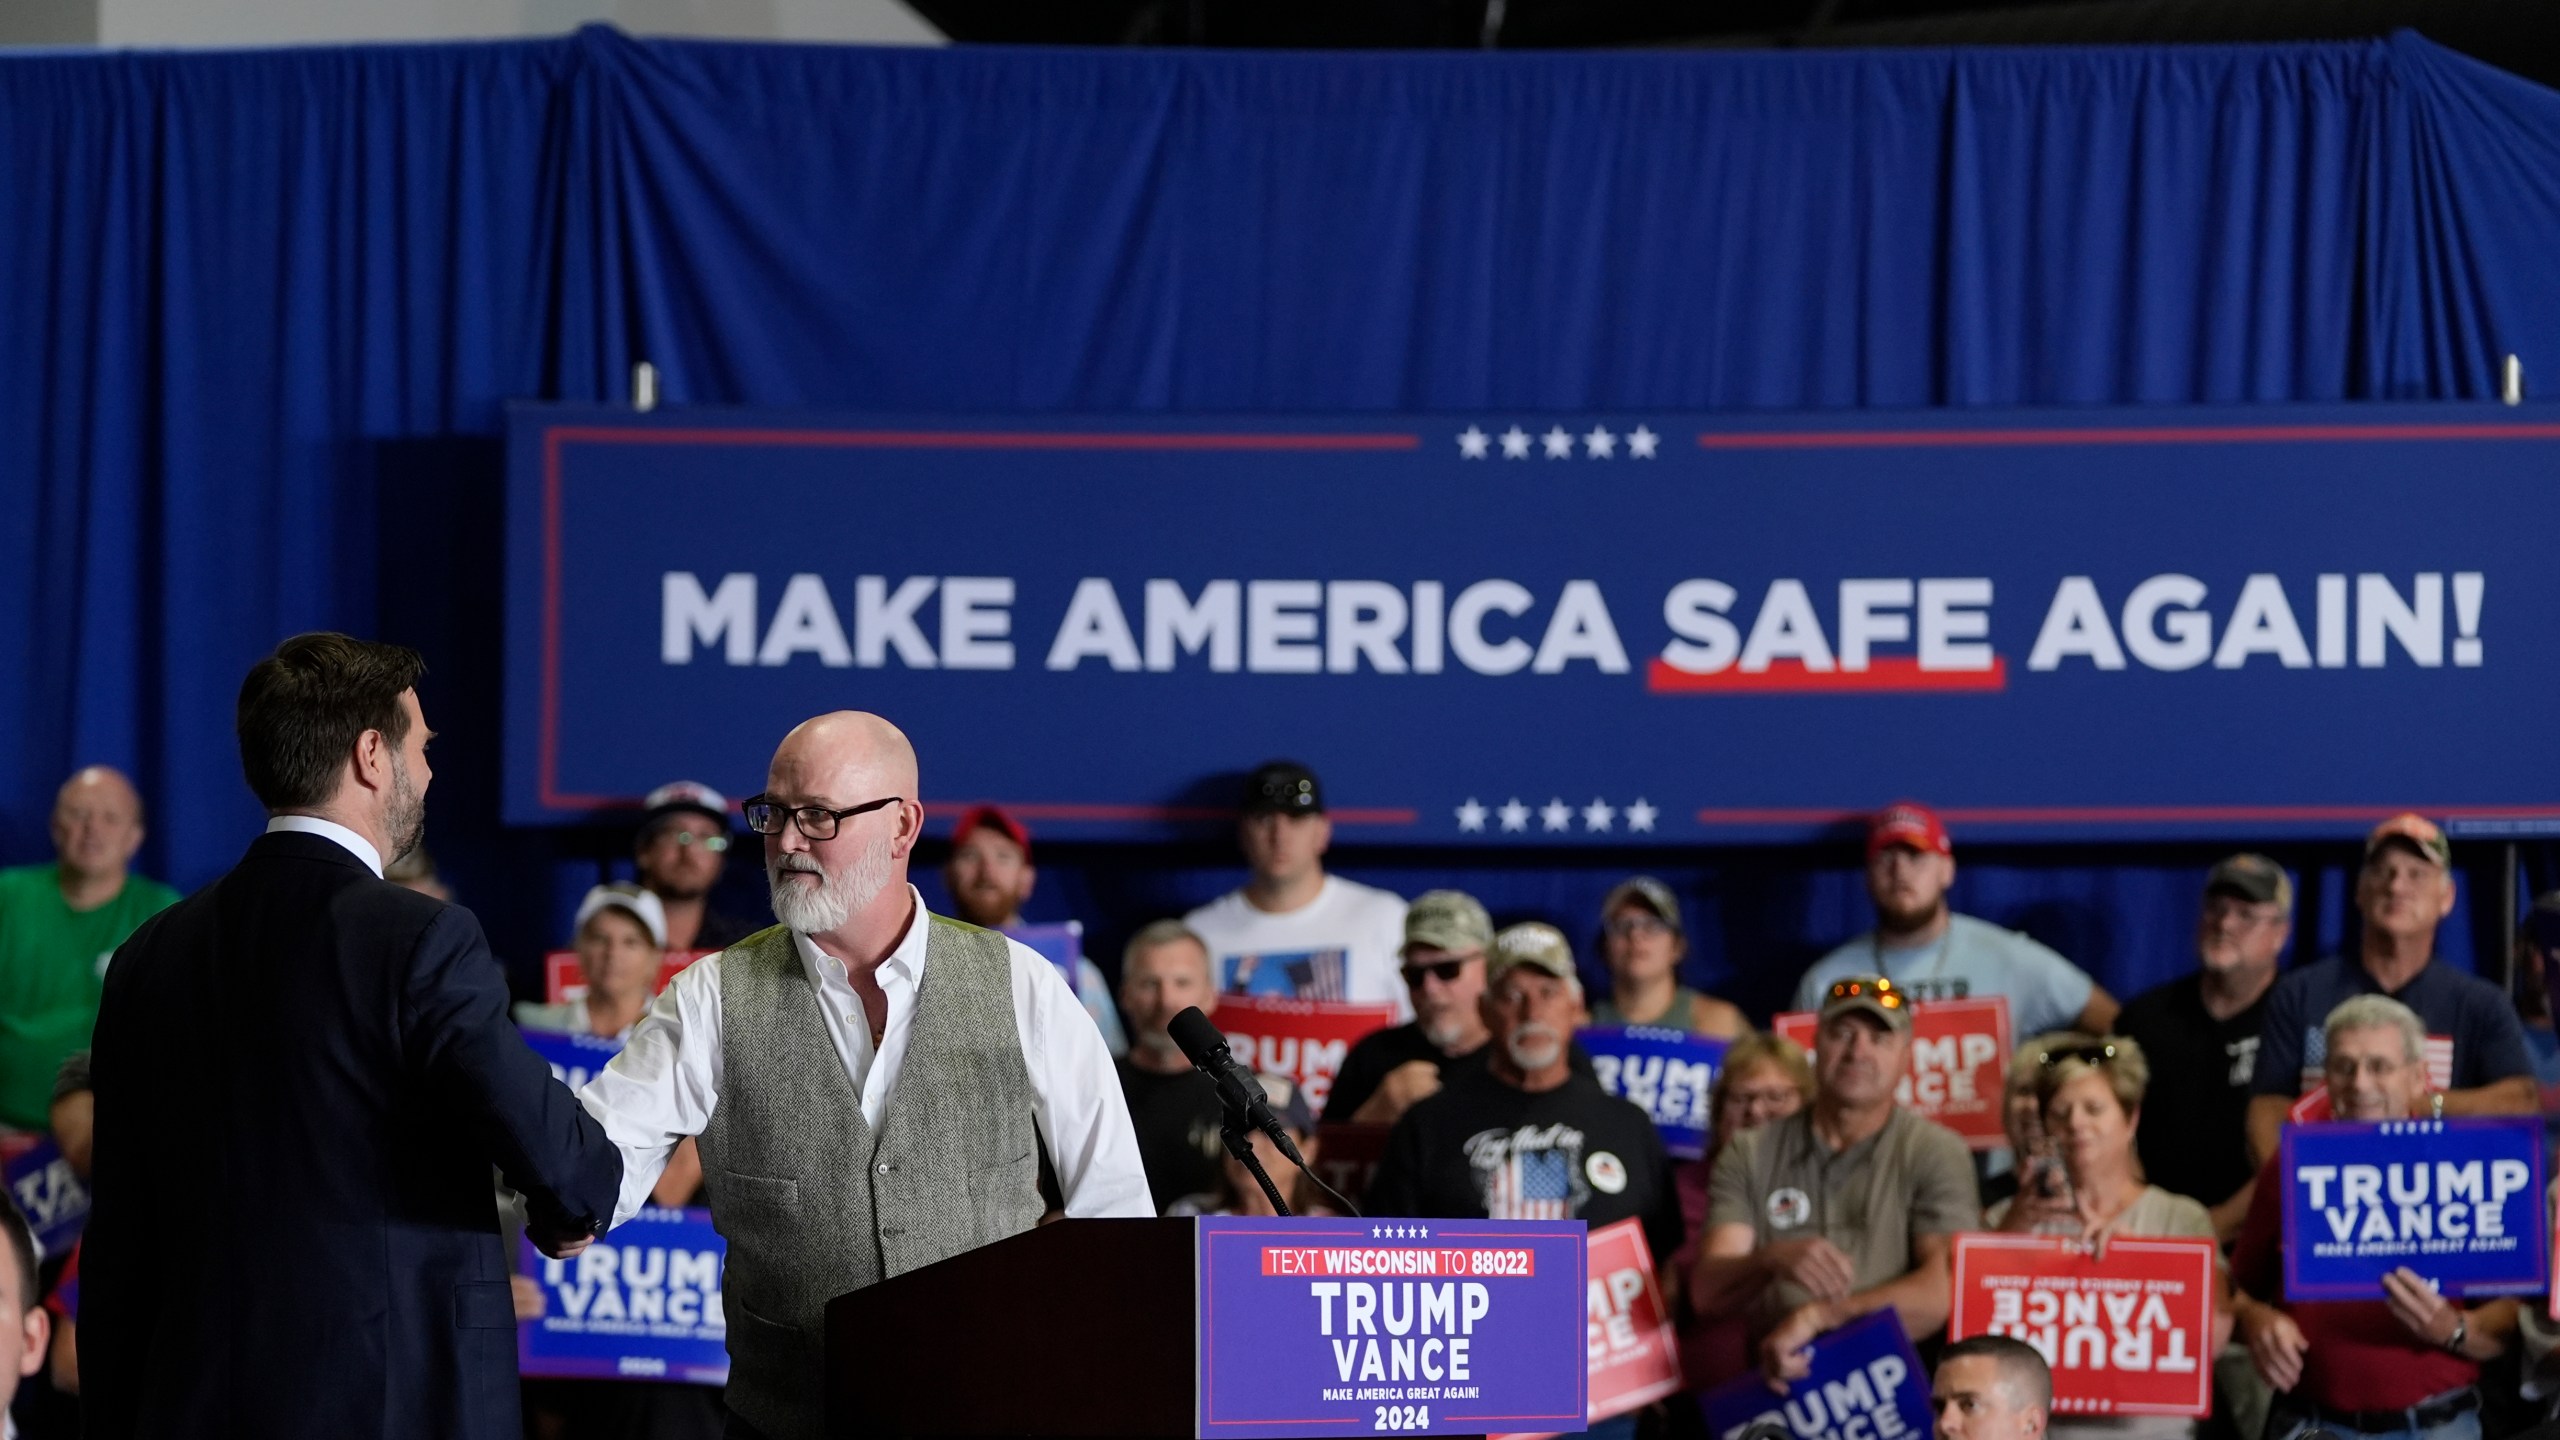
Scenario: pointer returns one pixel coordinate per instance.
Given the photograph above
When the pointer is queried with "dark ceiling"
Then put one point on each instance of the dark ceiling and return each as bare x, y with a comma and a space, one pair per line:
2522, 36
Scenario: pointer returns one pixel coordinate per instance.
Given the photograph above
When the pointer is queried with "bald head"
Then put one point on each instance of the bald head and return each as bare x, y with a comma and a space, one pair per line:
97, 825
847, 757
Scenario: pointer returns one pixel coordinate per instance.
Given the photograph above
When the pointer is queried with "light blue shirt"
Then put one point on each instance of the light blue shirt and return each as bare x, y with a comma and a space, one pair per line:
1975, 959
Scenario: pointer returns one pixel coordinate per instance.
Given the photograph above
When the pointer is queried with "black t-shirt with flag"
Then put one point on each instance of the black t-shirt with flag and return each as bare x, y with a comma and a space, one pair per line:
1480, 1148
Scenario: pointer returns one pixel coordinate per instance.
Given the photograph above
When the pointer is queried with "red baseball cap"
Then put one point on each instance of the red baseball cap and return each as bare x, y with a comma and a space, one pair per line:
1908, 822
988, 817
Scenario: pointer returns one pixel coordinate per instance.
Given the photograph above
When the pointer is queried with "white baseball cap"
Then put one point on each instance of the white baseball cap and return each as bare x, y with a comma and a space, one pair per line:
640, 904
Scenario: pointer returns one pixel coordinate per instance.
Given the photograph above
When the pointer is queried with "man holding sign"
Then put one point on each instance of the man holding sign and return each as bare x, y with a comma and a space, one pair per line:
1841, 1209
2409, 1362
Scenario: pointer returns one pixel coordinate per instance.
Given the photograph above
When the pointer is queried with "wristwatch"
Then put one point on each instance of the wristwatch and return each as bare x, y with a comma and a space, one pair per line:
2461, 1332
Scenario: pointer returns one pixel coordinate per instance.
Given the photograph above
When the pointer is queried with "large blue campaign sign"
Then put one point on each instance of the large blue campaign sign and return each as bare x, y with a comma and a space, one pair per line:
1511, 629
1866, 1384
1668, 1072
643, 1303
2458, 1201
1337, 1326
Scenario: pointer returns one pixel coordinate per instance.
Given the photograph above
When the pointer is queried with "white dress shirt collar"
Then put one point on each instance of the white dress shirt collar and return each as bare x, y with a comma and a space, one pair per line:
905, 960
354, 844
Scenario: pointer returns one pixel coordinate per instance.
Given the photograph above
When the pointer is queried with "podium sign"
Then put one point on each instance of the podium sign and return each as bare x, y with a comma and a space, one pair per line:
1959, 1061
2129, 1333
2459, 1201
1336, 1327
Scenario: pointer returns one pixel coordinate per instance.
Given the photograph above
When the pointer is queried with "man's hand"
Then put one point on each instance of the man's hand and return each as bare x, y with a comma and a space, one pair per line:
2419, 1309
1787, 1355
559, 1244
1406, 1086
529, 1301
2275, 1344
1813, 1265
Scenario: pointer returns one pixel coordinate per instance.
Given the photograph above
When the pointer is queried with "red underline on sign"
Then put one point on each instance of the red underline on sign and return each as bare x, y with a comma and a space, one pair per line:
988, 439
2133, 814
2116, 435
1885, 675
1032, 810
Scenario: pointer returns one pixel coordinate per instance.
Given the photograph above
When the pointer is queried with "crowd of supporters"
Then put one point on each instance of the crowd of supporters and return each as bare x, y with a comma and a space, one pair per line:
1819, 1198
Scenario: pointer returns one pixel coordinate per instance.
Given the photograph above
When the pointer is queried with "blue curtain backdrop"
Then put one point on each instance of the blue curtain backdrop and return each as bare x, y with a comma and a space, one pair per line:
263, 309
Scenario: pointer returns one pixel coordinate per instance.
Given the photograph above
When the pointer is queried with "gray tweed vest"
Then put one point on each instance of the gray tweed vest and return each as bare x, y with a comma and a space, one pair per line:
811, 1200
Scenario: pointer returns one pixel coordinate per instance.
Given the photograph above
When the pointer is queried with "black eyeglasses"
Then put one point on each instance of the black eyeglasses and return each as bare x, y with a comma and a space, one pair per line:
2098, 1053
1444, 971
815, 821
1879, 990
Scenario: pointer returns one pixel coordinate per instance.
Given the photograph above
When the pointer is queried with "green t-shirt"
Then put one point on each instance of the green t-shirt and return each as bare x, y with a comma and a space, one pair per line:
53, 961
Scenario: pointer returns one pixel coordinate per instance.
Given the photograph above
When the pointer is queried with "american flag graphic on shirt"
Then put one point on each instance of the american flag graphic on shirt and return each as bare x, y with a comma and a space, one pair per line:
1297, 975
1532, 1173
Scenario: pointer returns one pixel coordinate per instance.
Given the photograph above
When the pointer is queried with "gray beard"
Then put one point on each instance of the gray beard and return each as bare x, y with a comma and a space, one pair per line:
1533, 1047
824, 907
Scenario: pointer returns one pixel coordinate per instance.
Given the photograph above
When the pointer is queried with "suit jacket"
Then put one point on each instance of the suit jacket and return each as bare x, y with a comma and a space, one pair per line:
303, 1075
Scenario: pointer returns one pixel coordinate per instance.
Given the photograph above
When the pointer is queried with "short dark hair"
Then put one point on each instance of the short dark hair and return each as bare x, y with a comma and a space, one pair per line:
302, 708
2019, 1363
22, 1250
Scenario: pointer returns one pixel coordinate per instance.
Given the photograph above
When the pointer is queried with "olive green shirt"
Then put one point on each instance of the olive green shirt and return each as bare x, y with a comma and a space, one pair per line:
1873, 1200
53, 963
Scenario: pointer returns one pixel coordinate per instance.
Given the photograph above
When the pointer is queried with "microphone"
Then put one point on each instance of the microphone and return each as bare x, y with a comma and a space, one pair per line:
1206, 1047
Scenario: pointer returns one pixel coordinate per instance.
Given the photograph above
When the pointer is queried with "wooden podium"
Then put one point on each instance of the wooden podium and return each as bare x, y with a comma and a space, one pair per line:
1083, 1327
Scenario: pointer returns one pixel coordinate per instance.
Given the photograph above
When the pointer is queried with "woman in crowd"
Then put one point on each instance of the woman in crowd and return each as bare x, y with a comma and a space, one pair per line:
622, 945
1643, 942
1238, 1193
1765, 1078
2090, 1089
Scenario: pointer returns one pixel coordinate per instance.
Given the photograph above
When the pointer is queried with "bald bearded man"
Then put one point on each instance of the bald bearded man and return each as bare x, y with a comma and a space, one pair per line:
871, 1083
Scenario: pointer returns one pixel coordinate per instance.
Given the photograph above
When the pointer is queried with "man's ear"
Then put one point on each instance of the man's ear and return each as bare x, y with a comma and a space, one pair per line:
1030, 878
37, 1330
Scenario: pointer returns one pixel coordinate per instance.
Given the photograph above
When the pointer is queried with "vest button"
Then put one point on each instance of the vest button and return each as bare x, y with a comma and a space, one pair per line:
884, 1167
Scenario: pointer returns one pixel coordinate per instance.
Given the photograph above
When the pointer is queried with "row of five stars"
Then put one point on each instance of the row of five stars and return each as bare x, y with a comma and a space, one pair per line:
1557, 816
1597, 444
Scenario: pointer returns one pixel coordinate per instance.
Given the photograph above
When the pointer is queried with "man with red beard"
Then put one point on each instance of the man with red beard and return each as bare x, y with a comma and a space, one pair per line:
1931, 953
783, 1052
989, 877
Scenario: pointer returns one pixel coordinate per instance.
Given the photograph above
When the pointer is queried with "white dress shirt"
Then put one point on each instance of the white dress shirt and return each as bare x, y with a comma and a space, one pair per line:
666, 1082
355, 844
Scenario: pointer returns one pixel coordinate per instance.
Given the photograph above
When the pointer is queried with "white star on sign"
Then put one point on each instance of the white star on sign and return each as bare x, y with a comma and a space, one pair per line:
1597, 815
1515, 816
1557, 814
1373, 1231
1471, 815
1515, 444
1559, 444
1640, 816
1600, 444
1640, 443
1426, 1231
1471, 443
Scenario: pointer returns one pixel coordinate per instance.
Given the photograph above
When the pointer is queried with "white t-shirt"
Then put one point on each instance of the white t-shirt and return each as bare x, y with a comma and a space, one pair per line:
1343, 945
1974, 959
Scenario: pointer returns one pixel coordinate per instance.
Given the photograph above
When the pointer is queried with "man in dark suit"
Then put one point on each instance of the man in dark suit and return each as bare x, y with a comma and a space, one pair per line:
303, 1075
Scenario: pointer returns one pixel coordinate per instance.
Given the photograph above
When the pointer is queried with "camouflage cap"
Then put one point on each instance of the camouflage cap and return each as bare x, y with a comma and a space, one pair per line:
1447, 920
2253, 878
1533, 943
2416, 832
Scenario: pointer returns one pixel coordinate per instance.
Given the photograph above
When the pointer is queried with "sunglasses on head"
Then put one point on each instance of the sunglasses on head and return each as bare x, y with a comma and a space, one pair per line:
1444, 971
2100, 1053
1879, 990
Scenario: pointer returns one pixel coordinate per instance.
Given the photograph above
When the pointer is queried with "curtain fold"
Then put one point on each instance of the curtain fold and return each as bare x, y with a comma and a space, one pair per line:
265, 306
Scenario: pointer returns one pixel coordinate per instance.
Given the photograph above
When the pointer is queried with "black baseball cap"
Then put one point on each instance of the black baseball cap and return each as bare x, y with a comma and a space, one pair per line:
1283, 787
